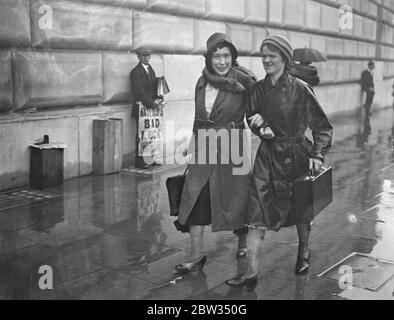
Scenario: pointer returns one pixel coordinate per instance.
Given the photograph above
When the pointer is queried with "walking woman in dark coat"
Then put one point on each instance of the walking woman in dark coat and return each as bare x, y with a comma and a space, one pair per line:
281, 109
215, 190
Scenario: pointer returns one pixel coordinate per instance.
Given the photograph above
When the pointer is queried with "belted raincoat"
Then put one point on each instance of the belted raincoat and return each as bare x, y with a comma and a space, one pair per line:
289, 107
228, 188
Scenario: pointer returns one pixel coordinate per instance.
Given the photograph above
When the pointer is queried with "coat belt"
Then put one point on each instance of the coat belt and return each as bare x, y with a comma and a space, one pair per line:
292, 140
203, 124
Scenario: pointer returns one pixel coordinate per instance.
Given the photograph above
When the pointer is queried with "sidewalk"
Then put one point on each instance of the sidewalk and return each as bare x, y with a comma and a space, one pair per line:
112, 237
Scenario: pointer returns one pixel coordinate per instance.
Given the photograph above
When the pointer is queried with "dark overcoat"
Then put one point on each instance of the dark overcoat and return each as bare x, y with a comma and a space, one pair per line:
228, 188
289, 107
367, 81
143, 87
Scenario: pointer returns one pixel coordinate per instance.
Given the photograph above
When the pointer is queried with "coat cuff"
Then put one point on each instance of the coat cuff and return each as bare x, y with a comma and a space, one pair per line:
318, 156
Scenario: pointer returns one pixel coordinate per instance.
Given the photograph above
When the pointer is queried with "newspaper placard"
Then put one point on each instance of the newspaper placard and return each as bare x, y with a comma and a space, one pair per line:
150, 136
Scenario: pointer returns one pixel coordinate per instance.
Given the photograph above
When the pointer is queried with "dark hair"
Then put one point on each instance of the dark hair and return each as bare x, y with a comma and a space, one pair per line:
220, 45
275, 49
371, 63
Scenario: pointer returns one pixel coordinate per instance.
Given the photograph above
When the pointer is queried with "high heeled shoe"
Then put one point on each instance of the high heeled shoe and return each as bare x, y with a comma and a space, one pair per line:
187, 267
302, 264
240, 281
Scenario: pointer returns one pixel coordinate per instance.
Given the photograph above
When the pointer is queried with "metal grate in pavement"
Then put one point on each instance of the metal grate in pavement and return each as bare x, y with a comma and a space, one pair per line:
20, 197
367, 272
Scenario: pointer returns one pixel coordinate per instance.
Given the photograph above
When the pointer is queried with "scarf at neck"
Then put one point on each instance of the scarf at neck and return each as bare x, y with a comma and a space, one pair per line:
223, 83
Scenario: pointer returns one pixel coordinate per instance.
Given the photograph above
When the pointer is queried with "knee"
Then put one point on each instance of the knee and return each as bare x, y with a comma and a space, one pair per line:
256, 234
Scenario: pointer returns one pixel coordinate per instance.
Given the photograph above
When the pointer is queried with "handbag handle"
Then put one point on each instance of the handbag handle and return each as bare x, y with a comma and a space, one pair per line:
310, 173
186, 170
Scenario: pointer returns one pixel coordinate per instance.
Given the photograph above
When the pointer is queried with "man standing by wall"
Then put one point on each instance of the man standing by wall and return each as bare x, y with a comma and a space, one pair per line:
144, 90
368, 86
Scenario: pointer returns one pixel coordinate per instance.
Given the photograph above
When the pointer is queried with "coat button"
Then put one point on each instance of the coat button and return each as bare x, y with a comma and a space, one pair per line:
287, 162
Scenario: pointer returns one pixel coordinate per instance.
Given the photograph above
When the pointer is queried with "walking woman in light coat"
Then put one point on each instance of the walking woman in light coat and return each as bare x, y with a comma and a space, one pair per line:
215, 193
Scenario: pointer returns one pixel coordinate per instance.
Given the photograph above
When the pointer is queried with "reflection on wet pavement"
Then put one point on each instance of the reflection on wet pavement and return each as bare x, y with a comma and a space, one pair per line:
112, 237
367, 272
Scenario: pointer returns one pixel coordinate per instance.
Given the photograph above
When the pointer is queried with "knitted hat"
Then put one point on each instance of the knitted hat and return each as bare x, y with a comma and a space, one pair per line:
280, 42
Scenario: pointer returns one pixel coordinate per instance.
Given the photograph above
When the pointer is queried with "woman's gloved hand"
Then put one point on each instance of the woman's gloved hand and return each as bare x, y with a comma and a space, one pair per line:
266, 133
256, 121
315, 165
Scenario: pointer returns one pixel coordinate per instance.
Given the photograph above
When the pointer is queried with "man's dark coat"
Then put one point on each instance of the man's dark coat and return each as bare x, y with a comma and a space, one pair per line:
143, 87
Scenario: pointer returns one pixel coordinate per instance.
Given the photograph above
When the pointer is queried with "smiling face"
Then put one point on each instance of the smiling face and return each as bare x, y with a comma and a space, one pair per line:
273, 62
222, 61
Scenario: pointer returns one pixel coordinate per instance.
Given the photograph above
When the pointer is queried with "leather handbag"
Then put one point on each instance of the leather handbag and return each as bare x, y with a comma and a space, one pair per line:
312, 194
174, 188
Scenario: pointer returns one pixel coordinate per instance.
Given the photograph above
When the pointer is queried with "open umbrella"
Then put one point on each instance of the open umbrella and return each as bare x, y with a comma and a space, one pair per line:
306, 55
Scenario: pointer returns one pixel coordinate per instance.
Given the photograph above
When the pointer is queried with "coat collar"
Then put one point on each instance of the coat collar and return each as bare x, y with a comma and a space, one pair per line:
222, 95
143, 70
283, 81
203, 80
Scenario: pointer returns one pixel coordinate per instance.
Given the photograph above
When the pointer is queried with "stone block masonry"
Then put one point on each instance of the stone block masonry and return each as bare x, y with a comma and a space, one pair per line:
71, 59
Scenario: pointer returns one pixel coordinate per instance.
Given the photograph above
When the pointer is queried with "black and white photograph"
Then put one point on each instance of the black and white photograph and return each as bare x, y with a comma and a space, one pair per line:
206, 153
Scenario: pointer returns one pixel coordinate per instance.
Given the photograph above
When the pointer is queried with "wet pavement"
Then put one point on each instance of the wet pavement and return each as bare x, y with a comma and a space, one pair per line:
111, 237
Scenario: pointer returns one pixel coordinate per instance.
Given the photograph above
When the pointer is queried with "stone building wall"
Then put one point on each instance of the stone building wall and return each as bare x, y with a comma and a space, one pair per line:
65, 63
